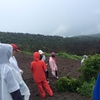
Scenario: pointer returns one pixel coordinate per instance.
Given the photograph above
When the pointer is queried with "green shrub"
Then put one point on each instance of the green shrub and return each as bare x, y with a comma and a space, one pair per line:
86, 88
68, 56
84, 85
65, 84
90, 67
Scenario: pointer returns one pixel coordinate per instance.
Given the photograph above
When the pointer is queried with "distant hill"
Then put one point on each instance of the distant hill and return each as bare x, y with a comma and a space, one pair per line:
95, 35
79, 45
91, 35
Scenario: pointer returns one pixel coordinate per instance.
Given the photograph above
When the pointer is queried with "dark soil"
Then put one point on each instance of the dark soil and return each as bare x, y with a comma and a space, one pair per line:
65, 67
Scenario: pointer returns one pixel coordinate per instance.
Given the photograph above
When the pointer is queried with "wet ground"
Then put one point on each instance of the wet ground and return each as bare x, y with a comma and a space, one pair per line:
65, 67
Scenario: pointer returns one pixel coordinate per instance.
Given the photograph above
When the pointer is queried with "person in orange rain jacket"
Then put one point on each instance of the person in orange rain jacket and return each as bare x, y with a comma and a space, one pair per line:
38, 69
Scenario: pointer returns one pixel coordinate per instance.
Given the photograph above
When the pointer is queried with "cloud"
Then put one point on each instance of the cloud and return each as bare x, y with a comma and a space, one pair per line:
94, 30
97, 11
50, 17
98, 29
61, 31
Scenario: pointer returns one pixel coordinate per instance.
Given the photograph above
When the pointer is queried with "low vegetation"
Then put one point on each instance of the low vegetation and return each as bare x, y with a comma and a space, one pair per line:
33, 42
68, 48
69, 56
84, 84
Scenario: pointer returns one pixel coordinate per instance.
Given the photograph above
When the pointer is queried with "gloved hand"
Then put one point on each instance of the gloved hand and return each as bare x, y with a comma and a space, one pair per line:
21, 71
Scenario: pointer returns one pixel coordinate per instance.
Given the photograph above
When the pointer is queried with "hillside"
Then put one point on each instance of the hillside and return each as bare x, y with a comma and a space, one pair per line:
65, 67
79, 45
91, 35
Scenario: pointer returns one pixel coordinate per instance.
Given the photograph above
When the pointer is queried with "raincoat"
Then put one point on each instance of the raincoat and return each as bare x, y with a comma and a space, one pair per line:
96, 90
14, 63
84, 57
10, 79
53, 66
38, 69
43, 57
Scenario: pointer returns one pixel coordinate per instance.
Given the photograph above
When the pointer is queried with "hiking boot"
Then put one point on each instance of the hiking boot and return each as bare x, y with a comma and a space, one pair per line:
57, 77
47, 81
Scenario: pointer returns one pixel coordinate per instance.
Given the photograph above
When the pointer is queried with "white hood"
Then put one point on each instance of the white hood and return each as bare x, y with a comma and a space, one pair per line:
10, 79
5, 53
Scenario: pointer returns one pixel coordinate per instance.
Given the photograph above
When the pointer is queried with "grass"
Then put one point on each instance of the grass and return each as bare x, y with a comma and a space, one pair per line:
60, 54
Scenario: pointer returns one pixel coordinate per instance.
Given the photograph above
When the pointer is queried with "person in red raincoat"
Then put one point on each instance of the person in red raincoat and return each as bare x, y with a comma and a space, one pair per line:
38, 69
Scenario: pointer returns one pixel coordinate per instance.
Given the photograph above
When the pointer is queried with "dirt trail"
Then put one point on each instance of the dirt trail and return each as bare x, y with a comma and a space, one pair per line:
65, 66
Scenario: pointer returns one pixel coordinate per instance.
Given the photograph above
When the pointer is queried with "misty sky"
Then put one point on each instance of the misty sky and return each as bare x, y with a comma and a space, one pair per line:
50, 17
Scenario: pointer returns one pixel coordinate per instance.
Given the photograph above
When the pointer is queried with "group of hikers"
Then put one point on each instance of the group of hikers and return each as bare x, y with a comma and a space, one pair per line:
12, 85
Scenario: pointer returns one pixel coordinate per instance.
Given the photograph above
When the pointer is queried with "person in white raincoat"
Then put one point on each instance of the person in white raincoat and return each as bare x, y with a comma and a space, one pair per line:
53, 66
84, 57
12, 86
13, 60
42, 56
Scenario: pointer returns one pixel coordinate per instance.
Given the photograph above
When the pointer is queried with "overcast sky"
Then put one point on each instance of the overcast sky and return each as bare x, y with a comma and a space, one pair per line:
50, 17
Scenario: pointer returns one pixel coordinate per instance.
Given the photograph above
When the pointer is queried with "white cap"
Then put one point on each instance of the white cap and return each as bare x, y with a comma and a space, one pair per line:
85, 56
40, 51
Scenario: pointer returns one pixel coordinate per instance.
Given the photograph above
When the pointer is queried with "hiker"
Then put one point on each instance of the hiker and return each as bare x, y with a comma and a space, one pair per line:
43, 58
38, 69
13, 60
53, 65
12, 87
84, 57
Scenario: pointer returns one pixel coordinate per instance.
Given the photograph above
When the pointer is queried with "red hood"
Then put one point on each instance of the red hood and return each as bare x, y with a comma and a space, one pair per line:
36, 56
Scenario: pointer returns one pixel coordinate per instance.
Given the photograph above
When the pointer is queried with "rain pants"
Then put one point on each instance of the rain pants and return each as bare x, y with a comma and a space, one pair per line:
38, 69
10, 80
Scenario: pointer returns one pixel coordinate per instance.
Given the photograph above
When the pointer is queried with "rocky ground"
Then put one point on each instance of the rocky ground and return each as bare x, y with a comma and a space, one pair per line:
65, 67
